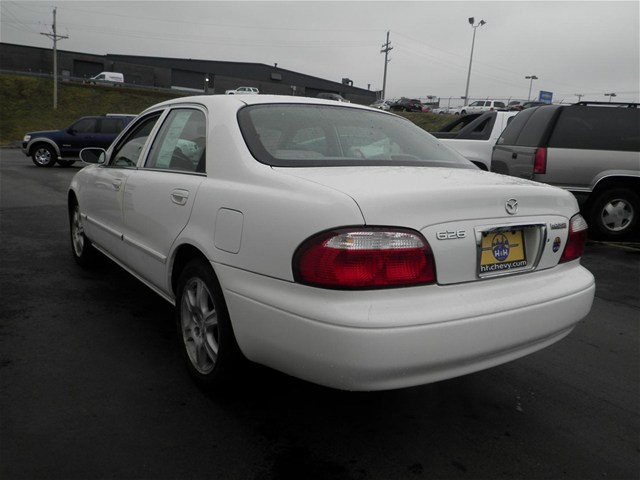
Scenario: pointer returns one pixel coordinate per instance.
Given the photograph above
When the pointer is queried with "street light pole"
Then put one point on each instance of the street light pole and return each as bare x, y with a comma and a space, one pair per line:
473, 42
532, 78
610, 95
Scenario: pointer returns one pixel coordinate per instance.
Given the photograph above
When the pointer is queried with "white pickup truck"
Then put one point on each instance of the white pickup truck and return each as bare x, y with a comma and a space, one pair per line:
474, 135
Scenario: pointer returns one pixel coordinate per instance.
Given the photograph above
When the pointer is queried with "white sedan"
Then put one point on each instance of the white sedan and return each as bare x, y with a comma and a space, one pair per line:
333, 242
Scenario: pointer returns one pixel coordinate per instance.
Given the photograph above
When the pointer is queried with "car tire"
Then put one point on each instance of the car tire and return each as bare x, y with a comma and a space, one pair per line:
83, 252
43, 155
66, 163
463, 112
613, 214
205, 333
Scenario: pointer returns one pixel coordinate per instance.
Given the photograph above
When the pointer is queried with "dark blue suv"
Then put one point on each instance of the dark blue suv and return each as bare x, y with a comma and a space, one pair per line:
63, 146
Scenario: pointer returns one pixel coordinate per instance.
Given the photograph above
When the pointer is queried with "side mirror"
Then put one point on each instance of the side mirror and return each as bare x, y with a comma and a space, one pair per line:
93, 155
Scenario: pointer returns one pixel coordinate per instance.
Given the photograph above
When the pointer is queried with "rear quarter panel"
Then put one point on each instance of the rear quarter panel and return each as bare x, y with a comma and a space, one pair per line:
514, 161
581, 170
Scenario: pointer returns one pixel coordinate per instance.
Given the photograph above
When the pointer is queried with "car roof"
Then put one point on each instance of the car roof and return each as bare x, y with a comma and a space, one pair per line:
231, 101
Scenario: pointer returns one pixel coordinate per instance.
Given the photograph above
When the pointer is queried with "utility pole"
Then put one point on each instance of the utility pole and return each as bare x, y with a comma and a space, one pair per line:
579, 95
386, 48
55, 37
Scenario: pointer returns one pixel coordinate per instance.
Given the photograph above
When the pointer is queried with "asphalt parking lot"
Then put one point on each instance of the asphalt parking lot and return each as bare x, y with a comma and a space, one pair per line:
93, 385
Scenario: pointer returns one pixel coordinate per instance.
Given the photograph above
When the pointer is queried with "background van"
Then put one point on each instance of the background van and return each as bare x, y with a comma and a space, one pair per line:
113, 77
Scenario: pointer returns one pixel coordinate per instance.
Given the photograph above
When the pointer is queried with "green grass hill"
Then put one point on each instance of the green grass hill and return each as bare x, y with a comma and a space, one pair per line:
26, 105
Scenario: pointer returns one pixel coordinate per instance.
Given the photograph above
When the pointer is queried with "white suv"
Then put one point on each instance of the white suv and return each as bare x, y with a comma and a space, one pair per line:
480, 106
243, 91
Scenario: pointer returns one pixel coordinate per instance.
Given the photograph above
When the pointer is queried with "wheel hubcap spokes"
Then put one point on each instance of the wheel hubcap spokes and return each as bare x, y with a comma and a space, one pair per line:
43, 156
199, 326
617, 215
77, 232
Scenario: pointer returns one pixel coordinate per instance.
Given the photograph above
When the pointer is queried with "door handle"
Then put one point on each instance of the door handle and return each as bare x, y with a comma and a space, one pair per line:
179, 197
514, 155
117, 183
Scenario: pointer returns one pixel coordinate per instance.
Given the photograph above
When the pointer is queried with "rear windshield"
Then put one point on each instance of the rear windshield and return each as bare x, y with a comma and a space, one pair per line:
321, 135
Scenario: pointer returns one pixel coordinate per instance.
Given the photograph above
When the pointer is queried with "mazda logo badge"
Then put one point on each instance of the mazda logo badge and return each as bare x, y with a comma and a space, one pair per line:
511, 206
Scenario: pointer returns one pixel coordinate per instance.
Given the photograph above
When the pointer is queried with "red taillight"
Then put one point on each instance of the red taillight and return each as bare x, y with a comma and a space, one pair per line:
540, 161
577, 239
364, 258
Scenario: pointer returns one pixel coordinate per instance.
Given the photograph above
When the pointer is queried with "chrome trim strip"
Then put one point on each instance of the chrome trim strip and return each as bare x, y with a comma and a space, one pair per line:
102, 226
145, 249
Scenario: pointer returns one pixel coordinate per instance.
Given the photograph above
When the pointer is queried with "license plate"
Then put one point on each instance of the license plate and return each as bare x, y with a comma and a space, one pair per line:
502, 251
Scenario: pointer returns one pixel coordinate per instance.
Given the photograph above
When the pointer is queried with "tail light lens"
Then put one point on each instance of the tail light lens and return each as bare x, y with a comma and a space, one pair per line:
577, 239
365, 258
540, 161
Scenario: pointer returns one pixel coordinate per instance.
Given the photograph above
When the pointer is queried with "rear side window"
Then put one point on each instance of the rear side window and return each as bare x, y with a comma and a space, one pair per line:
529, 127
181, 141
510, 134
597, 128
111, 125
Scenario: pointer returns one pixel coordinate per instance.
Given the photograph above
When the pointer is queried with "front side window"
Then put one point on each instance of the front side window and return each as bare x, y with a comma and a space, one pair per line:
180, 143
128, 151
321, 135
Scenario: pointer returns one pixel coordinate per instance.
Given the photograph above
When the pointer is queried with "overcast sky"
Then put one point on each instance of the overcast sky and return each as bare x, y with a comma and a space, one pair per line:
585, 47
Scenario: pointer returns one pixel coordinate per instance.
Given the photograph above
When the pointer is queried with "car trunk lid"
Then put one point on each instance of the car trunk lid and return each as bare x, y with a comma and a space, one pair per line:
461, 213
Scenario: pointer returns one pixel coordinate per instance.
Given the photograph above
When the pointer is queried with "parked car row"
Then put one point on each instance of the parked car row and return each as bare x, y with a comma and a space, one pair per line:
480, 106
487, 105
401, 105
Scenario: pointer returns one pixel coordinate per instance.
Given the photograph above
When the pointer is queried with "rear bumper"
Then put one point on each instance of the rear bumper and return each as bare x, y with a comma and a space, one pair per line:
376, 340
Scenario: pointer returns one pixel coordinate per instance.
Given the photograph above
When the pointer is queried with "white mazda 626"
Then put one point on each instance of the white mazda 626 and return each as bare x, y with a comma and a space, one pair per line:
333, 242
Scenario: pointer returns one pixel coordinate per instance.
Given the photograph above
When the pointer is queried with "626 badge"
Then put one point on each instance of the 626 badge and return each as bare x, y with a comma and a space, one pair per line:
502, 251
